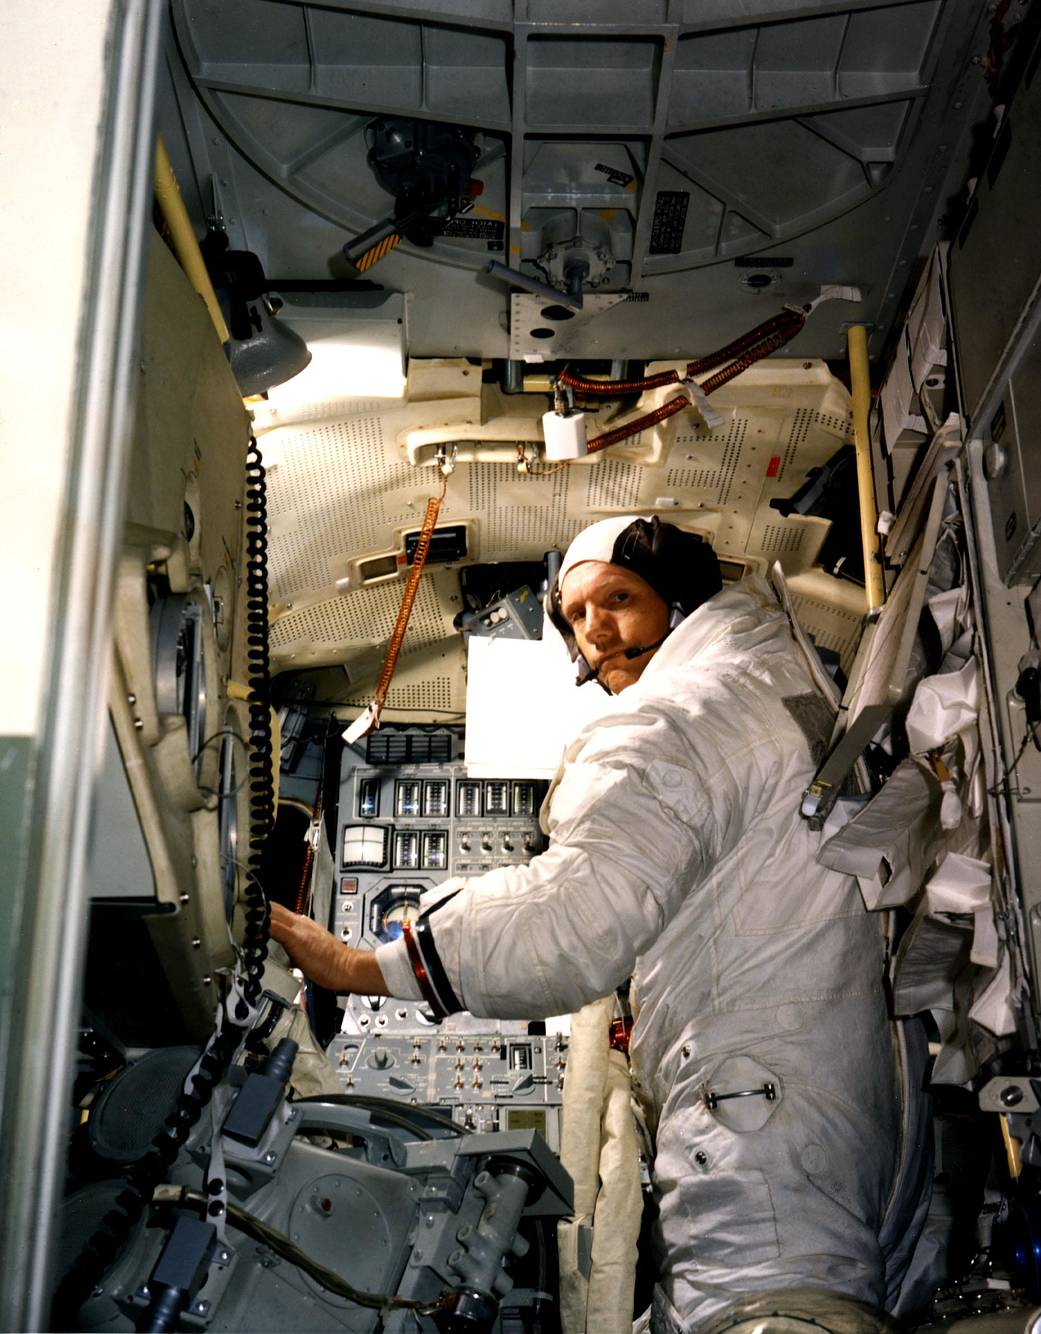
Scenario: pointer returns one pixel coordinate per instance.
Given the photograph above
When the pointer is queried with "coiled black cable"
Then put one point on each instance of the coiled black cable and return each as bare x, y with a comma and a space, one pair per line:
142, 1177
261, 778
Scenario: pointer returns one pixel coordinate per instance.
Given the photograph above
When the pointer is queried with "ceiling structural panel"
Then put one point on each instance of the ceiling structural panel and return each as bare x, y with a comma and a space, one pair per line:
707, 164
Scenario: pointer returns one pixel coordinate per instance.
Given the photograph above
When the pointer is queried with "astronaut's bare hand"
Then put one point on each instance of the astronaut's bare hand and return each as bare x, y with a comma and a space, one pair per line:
322, 958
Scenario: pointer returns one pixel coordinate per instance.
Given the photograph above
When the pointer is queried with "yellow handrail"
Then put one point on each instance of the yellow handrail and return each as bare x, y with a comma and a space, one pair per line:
182, 235
860, 386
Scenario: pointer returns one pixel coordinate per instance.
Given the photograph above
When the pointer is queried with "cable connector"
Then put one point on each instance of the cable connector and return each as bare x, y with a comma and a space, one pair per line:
364, 724
699, 402
829, 292
565, 435
563, 399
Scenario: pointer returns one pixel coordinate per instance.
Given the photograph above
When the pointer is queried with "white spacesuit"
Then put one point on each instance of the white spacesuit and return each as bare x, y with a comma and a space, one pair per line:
761, 1049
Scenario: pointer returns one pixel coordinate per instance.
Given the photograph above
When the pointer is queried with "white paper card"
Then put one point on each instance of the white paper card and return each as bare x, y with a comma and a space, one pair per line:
523, 707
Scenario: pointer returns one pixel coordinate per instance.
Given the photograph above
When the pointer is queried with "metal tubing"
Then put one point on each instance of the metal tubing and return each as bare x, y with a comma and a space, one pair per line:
860, 384
517, 279
186, 247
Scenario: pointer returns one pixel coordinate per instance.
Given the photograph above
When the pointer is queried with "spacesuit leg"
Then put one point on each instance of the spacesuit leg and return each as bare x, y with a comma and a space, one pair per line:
760, 1193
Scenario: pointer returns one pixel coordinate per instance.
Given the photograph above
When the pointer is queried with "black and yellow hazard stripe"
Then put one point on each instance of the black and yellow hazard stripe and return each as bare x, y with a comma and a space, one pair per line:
377, 252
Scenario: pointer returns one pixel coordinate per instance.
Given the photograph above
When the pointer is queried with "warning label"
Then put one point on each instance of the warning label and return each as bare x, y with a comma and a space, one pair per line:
474, 229
670, 216
615, 176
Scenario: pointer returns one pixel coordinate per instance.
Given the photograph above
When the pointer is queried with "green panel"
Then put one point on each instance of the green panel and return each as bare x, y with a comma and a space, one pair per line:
17, 769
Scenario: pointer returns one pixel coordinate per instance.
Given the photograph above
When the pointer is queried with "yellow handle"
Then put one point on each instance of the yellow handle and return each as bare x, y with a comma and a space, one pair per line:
860, 386
182, 235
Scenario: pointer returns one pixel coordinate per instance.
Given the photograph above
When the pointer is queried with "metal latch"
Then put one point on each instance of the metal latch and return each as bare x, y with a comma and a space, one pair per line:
713, 1099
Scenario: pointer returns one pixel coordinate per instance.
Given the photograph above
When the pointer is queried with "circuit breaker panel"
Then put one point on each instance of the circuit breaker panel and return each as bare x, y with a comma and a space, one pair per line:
410, 818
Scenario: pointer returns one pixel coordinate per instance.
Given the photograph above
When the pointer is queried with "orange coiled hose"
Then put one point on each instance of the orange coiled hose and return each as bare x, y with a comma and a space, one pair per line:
751, 356
787, 322
643, 423
769, 336
397, 637
614, 388
300, 902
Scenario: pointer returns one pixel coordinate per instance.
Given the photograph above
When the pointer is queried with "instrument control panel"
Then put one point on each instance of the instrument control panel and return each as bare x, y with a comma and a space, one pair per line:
410, 817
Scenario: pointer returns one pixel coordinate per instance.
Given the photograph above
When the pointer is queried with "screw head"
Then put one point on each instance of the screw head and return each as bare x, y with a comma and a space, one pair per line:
270, 1158
1011, 1095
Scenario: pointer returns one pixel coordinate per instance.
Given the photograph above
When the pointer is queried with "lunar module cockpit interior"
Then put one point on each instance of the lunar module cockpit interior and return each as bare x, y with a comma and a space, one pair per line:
353, 313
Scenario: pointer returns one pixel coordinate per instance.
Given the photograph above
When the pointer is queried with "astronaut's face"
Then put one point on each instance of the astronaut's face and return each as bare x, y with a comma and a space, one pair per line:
610, 609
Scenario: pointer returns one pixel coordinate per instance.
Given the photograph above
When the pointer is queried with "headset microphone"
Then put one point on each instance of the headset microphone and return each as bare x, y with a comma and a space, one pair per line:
676, 617
641, 649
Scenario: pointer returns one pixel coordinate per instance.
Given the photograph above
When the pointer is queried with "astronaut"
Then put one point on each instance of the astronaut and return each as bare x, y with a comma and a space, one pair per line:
761, 1049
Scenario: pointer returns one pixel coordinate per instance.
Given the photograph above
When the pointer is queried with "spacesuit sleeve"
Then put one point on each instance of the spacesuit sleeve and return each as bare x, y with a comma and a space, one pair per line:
639, 818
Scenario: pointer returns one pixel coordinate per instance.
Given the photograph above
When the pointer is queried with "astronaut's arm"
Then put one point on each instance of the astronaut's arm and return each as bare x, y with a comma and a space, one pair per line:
323, 959
567, 928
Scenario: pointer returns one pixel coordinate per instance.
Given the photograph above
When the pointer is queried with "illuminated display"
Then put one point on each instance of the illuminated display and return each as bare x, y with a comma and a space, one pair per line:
524, 799
392, 909
406, 849
496, 797
435, 850
364, 845
468, 798
435, 797
369, 798
409, 796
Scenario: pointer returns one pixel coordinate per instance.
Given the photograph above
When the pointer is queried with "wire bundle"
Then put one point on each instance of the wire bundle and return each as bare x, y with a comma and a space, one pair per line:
743, 352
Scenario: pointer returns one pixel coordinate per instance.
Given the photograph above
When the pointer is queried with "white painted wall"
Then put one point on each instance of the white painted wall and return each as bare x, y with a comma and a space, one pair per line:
51, 100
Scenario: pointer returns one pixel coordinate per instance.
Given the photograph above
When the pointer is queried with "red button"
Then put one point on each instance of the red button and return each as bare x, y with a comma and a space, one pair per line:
349, 885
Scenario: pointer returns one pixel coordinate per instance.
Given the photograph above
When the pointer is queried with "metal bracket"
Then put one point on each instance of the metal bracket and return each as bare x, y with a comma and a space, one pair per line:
1010, 1093
445, 458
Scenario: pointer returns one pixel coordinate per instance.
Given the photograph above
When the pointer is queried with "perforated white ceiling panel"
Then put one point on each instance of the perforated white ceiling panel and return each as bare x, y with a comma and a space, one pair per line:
340, 492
